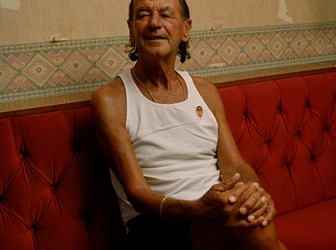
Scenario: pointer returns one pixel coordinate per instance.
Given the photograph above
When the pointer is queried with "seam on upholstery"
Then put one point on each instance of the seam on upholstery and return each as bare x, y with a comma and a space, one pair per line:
250, 124
313, 115
80, 157
18, 218
74, 158
15, 135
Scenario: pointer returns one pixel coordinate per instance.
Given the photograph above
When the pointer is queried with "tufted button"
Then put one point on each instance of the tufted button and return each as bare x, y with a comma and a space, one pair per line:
287, 164
313, 158
299, 133
75, 147
23, 152
33, 227
269, 141
245, 114
85, 216
53, 186
327, 128
308, 105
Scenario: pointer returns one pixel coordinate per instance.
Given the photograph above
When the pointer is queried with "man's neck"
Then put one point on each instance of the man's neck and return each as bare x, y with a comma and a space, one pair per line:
154, 72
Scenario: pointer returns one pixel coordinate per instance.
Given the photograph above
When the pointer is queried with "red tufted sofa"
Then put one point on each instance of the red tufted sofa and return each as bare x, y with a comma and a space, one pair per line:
55, 190
286, 130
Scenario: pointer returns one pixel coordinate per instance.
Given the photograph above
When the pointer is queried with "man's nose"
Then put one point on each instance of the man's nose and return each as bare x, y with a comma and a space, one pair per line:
155, 21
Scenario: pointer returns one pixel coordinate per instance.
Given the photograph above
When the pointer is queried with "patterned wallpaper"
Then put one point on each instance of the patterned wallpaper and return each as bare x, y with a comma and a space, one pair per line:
29, 71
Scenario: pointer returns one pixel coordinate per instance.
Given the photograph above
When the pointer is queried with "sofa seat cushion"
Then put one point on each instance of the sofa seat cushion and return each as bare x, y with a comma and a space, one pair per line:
310, 228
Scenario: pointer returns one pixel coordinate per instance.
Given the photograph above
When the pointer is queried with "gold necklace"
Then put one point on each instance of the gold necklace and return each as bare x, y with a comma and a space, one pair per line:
149, 92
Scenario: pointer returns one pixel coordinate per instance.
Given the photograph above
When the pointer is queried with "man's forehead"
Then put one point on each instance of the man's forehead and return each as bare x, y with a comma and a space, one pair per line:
162, 4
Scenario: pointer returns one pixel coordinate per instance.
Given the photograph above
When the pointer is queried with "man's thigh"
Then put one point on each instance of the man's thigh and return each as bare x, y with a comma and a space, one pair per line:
151, 234
220, 238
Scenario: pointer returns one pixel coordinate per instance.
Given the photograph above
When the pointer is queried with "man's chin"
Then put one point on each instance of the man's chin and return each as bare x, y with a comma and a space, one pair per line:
156, 52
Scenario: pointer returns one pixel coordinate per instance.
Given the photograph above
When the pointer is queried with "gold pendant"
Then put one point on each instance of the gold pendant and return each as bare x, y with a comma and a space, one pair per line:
199, 111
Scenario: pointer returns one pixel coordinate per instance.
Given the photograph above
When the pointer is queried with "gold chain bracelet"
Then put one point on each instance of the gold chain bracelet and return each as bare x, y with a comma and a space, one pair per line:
161, 206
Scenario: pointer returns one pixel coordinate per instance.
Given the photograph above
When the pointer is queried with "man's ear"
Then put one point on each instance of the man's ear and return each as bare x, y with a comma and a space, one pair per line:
187, 28
131, 38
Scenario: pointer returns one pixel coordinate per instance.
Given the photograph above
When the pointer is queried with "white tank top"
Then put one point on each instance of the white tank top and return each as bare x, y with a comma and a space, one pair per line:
175, 144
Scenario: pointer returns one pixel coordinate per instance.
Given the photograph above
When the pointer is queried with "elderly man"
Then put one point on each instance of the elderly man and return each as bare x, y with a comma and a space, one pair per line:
174, 164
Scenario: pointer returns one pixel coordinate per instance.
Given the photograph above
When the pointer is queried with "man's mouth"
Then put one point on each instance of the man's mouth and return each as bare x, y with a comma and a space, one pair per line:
154, 37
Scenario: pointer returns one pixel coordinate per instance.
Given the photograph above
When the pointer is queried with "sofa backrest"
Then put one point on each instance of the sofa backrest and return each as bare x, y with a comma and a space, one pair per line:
55, 189
286, 130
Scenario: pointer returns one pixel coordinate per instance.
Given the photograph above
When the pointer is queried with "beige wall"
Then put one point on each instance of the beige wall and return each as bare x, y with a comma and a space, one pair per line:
29, 21
244, 13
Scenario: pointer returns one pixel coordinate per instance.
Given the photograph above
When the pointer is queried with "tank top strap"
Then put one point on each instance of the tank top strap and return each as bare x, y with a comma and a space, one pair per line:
131, 88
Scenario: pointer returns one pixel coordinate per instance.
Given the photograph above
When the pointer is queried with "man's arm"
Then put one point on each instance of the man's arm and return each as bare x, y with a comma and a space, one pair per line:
109, 112
258, 203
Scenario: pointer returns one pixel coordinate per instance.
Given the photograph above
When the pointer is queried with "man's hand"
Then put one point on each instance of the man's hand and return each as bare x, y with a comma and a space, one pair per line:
254, 203
214, 206
234, 204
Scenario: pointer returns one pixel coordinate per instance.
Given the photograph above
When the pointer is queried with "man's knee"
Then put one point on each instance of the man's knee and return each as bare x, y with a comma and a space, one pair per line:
217, 238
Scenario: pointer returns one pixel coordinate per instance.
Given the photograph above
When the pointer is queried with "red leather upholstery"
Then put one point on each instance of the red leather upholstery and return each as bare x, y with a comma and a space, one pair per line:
286, 130
55, 190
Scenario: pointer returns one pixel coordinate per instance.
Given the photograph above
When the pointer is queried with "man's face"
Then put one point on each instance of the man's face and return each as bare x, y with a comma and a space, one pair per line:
157, 27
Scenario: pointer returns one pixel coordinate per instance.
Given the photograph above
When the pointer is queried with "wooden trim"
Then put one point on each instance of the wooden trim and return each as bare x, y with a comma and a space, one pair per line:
41, 105
271, 74
45, 109
274, 77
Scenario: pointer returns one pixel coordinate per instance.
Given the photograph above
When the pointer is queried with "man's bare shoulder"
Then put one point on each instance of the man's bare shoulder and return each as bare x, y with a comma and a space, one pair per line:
109, 91
203, 84
110, 100
208, 91
205, 87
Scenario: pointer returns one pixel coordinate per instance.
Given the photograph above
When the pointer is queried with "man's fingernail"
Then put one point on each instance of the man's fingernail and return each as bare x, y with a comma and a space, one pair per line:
243, 210
264, 223
232, 198
236, 176
251, 218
